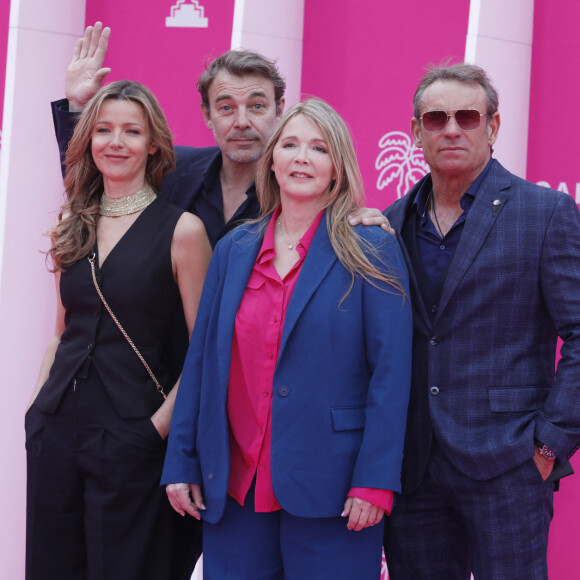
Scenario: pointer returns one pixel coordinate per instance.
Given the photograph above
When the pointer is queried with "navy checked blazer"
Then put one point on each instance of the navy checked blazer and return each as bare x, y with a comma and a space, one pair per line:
483, 380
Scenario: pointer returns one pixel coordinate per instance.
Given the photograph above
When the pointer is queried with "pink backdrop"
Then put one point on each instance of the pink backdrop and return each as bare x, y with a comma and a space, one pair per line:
553, 143
366, 62
4, 17
166, 59
553, 160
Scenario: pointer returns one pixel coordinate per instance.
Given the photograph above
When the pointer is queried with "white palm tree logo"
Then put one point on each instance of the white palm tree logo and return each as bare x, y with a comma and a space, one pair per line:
400, 160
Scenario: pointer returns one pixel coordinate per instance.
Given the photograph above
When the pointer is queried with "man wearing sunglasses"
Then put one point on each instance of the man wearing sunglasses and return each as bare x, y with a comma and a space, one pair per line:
494, 263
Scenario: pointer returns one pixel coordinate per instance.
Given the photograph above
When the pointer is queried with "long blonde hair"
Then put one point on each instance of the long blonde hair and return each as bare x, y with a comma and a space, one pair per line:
75, 232
346, 193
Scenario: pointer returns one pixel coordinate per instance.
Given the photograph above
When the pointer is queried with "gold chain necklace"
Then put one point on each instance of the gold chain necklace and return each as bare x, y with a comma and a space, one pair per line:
114, 207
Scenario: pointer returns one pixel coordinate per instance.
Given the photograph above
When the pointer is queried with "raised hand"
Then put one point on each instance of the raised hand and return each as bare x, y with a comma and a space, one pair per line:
85, 73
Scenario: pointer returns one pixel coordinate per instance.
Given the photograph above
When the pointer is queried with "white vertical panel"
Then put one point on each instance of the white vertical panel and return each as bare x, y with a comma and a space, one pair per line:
274, 28
499, 40
40, 42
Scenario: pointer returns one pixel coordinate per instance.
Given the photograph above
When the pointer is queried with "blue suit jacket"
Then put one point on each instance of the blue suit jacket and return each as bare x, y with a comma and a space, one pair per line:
341, 383
513, 287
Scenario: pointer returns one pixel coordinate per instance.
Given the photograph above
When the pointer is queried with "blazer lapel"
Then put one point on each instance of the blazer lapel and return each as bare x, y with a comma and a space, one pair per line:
245, 246
416, 295
487, 205
318, 262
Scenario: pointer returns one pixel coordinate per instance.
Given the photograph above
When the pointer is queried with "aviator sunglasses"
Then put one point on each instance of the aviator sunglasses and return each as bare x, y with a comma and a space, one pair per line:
467, 119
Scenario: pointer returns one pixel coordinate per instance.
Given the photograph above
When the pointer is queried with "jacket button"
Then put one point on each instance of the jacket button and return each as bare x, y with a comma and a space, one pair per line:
434, 341
434, 390
283, 391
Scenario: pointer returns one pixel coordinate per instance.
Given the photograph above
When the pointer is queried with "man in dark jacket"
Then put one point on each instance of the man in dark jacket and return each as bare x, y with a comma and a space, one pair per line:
494, 266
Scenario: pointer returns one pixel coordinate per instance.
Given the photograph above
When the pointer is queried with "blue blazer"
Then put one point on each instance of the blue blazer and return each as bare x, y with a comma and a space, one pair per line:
341, 384
483, 372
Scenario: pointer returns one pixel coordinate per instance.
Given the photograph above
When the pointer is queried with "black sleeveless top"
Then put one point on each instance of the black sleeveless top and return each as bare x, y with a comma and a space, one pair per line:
137, 281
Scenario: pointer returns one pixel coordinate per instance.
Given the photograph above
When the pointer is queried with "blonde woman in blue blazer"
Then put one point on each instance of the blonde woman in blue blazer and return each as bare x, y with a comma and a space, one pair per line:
339, 387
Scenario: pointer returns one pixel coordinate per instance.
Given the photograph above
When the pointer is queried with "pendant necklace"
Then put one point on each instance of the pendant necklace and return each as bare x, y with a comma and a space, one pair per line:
290, 245
437, 225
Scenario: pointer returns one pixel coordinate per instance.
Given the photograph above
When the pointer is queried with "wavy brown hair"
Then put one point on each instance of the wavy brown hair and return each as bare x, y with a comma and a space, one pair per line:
346, 193
75, 232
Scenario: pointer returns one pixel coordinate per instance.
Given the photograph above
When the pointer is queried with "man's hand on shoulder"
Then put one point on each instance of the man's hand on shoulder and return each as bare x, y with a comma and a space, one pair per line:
368, 216
85, 73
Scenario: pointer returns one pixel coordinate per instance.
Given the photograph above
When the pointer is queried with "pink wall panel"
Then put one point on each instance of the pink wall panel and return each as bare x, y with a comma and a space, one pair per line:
4, 17
553, 136
167, 59
553, 160
366, 59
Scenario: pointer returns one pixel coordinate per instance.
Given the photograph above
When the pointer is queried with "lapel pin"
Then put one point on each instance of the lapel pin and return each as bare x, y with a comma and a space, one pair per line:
495, 206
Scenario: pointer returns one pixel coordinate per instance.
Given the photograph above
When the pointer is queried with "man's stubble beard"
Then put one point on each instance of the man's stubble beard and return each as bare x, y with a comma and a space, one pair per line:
244, 156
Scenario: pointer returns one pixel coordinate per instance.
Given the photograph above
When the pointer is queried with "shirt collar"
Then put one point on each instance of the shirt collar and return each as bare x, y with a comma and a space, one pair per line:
422, 196
472, 190
211, 178
212, 172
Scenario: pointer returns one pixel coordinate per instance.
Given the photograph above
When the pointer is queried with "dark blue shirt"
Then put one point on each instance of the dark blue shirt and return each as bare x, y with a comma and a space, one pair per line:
208, 205
432, 254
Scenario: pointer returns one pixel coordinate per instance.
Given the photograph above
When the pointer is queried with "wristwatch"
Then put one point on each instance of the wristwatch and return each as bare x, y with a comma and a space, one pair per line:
545, 450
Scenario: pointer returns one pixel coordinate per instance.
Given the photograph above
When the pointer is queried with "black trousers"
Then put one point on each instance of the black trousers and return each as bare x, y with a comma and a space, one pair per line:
95, 509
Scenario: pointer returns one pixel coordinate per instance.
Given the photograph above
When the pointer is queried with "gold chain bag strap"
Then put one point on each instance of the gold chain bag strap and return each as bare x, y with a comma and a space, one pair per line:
91, 259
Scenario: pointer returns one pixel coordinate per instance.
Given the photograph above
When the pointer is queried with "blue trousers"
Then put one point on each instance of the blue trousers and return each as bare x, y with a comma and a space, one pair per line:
453, 525
245, 545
